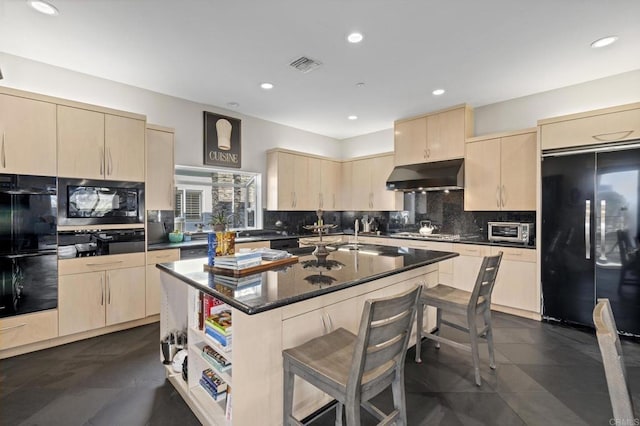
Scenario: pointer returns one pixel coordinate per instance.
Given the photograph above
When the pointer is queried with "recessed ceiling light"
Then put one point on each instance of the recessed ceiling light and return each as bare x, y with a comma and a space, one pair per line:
360, 84
266, 86
438, 92
352, 117
43, 7
604, 41
233, 104
355, 37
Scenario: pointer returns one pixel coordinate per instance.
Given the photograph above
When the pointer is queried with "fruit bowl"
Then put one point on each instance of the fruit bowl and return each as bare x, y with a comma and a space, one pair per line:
176, 237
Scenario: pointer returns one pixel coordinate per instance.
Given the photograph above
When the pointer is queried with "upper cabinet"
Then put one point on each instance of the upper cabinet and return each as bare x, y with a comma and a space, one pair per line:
615, 124
159, 190
369, 185
500, 172
434, 137
97, 145
28, 132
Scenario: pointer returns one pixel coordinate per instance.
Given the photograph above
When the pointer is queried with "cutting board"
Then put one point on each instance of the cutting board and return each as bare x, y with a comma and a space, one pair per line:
264, 266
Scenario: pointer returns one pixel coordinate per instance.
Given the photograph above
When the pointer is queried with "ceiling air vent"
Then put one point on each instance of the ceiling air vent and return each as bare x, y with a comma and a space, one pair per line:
305, 65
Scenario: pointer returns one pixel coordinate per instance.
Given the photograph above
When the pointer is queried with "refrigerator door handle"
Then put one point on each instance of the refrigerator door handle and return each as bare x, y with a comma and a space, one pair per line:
587, 229
603, 210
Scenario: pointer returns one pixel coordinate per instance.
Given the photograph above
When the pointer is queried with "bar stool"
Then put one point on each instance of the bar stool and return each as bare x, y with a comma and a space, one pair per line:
353, 369
467, 304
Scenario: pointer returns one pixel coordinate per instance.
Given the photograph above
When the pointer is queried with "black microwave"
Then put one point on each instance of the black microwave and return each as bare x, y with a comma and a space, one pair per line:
99, 202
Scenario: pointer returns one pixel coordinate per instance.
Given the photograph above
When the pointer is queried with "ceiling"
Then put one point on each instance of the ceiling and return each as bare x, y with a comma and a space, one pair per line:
217, 52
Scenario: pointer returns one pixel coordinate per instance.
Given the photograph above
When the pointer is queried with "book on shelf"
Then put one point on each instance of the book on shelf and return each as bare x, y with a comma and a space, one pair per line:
218, 361
217, 396
220, 321
214, 380
223, 341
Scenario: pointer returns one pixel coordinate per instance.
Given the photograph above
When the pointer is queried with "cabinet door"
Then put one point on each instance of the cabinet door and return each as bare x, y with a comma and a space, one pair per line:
81, 302
330, 174
346, 187
516, 281
28, 143
314, 187
304, 197
381, 198
280, 181
518, 172
410, 141
125, 295
360, 185
446, 133
152, 278
159, 188
482, 175
80, 143
467, 265
124, 148
597, 129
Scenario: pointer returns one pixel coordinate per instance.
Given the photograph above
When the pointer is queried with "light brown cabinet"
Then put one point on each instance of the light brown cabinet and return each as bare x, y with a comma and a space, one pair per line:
100, 291
433, 137
368, 185
615, 124
28, 328
500, 172
28, 131
152, 290
95, 145
159, 188
301, 182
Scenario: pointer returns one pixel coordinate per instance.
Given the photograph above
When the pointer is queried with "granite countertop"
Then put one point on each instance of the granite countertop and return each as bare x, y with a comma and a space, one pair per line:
306, 279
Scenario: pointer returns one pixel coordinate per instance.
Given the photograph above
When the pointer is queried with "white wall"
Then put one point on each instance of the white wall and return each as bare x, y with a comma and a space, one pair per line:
524, 112
185, 116
372, 143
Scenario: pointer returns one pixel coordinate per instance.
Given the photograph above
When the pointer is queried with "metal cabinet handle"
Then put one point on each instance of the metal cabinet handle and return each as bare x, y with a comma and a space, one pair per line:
102, 290
504, 195
603, 212
587, 229
324, 325
108, 289
110, 162
12, 327
4, 158
101, 162
105, 263
334, 200
613, 136
330, 322
171, 195
498, 196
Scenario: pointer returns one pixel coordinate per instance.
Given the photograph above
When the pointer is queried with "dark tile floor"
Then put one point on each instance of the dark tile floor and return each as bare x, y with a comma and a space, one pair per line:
546, 375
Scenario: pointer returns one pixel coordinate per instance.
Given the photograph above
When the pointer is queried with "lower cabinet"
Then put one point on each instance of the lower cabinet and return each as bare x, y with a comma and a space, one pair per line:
113, 293
29, 328
152, 290
516, 282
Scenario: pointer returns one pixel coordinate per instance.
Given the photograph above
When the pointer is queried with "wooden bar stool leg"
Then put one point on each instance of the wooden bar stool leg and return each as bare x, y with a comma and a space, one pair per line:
419, 325
339, 411
353, 413
489, 337
399, 402
287, 411
473, 334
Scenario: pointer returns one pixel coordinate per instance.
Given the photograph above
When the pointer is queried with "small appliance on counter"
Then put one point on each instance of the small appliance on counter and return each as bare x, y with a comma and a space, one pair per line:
511, 232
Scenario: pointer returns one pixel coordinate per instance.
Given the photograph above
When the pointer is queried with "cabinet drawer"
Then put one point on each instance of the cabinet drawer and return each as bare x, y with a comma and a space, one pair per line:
162, 256
516, 254
472, 250
99, 263
598, 129
29, 328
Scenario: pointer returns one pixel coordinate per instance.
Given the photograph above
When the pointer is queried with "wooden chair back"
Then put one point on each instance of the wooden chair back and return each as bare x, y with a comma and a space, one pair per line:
613, 361
485, 281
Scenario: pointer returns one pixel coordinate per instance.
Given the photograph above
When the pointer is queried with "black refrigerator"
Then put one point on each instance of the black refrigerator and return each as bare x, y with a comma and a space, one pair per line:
590, 226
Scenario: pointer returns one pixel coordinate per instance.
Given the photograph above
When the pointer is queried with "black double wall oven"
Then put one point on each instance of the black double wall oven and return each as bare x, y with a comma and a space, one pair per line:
28, 244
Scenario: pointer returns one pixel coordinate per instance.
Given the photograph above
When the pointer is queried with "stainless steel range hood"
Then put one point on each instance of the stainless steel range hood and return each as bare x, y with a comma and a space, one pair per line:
436, 176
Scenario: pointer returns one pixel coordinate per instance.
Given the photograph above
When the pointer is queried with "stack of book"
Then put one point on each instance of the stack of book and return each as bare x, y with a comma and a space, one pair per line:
213, 384
238, 261
239, 282
218, 326
207, 305
216, 360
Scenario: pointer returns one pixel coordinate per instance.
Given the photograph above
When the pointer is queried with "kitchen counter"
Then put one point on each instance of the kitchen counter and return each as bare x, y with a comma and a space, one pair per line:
464, 239
306, 279
202, 242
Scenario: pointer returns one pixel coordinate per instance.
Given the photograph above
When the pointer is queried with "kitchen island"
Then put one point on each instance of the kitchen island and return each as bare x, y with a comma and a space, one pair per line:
278, 309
